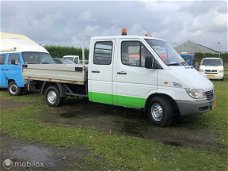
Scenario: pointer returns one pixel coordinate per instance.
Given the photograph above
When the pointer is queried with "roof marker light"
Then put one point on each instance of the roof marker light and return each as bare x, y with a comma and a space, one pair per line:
124, 31
147, 35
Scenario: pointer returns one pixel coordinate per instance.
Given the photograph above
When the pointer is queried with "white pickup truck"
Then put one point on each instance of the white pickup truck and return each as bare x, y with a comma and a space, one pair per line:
132, 71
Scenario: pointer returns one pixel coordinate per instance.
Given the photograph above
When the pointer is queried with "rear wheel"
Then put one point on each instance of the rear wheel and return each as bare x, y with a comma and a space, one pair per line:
52, 97
13, 89
160, 111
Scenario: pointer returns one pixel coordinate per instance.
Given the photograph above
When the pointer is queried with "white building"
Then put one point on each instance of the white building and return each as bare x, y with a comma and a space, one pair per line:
193, 47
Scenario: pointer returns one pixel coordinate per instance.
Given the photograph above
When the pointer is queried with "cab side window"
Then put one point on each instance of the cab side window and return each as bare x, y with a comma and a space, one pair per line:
133, 53
14, 59
2, 59
103, 53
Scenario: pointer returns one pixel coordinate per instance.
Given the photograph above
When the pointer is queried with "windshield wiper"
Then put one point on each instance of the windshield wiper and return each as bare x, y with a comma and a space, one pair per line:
173, 64
184, 63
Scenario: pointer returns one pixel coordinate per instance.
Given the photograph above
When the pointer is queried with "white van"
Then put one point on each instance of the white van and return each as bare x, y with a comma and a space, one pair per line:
212, 68
74, 58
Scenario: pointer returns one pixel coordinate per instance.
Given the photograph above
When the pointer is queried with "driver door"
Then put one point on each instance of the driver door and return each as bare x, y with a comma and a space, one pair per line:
13, 69
133, 80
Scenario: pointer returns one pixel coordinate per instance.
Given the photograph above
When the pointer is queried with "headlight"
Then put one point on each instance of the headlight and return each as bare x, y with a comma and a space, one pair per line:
196, 93
201, 70
221, 71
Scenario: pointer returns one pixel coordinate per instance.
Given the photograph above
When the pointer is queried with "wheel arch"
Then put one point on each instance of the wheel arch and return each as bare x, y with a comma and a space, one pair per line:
59, 86
11, 80
20, 82
169, 98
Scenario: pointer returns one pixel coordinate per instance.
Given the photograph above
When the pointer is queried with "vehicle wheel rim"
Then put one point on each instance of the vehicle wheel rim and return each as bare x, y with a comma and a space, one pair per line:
157, 112
52, 97
13, 89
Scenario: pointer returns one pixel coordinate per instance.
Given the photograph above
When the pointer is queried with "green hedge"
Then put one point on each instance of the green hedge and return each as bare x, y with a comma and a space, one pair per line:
60, 51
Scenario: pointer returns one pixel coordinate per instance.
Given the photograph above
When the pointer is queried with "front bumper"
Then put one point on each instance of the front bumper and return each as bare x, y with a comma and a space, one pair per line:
195, 107
214, 76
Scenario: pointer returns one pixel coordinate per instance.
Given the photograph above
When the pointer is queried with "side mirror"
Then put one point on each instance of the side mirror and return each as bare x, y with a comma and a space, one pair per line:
149, 62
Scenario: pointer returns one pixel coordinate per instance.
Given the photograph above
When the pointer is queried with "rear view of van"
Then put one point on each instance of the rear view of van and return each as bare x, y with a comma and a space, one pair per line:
212, 68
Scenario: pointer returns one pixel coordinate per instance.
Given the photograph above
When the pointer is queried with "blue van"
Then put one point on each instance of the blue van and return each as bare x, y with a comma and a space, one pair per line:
11, 61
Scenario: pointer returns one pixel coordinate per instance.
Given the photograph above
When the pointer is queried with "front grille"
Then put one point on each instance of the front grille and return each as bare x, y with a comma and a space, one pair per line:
210, 94
211, 71
207, 70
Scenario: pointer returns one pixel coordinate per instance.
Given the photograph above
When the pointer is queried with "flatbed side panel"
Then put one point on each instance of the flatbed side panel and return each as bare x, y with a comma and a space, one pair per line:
55, 73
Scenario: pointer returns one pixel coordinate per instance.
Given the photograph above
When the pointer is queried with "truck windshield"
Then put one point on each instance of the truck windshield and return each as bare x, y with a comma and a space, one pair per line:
212, 62
37, 58
167, 54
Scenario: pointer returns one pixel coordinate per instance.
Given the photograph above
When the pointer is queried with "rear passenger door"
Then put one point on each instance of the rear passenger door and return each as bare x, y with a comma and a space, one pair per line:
101, 72
3, 82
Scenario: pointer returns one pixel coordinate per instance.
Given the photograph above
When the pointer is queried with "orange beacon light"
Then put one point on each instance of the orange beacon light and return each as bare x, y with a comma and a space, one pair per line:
124, 31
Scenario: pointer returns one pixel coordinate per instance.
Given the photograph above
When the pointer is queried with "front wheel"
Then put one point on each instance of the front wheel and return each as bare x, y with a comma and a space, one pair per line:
52, 97
13, 89
160, 111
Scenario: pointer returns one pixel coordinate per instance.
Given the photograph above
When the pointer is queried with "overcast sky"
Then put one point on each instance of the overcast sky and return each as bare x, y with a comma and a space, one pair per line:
61, 23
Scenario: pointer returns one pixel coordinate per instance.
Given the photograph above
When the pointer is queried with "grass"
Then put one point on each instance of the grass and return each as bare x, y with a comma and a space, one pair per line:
226, 73
122, 152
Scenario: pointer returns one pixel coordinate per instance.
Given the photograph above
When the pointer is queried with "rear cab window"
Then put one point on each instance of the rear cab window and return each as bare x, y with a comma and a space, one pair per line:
103, 53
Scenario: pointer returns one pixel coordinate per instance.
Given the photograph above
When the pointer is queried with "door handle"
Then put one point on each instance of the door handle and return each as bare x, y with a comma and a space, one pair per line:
122, 73
96, 71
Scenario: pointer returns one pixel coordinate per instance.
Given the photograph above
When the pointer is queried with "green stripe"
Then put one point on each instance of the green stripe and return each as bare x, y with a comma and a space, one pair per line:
127, 101
100, 98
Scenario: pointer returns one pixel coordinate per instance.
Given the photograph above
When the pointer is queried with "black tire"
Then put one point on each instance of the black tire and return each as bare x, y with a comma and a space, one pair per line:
52, 97
13, 89
160, 111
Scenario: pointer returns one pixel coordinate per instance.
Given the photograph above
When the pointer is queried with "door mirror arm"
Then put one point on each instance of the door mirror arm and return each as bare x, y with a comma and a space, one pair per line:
151, 63
157, 65
148, 62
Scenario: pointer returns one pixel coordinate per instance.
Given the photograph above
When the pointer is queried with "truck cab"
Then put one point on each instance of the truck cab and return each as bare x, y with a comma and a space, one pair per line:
13, 54
10, 72
147, 73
